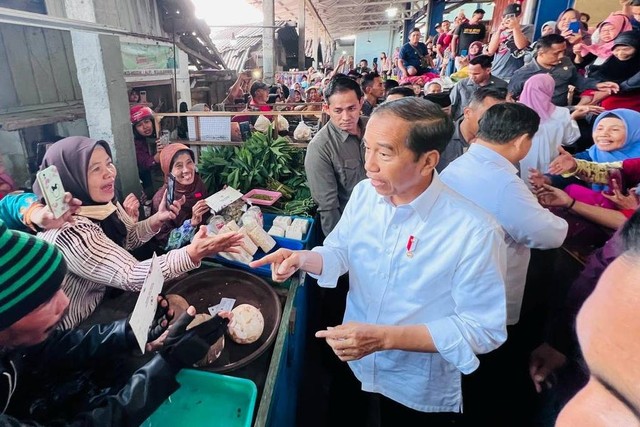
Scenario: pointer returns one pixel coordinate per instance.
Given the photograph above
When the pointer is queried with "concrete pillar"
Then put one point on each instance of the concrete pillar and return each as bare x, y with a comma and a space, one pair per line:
435, 12
268, 41
301, 34
104, 93
316, 41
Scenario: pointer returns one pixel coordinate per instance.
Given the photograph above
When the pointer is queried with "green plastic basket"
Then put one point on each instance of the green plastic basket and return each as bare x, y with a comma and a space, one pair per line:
207, 399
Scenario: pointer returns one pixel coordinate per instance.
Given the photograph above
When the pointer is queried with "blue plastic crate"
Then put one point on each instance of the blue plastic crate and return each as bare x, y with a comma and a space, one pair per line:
268, 221
265, 270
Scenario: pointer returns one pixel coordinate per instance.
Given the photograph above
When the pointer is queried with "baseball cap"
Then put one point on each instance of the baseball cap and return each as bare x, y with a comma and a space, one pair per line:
512, 9
256, 86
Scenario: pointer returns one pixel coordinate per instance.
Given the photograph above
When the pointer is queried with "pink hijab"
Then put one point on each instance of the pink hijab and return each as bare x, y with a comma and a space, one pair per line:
537, 94
620, 23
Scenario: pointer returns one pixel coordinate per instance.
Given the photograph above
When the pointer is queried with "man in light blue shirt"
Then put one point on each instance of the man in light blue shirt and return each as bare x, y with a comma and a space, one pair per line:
486, 175
426, 272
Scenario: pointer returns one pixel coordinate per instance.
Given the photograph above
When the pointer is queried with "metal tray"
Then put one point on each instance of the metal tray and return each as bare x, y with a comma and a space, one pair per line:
205, 289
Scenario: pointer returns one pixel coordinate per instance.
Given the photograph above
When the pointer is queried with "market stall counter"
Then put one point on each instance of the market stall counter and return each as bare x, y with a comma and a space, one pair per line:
274, 362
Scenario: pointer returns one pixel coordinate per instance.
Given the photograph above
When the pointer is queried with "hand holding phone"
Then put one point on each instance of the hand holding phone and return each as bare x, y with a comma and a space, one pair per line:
171, 187
574, 27
52, 190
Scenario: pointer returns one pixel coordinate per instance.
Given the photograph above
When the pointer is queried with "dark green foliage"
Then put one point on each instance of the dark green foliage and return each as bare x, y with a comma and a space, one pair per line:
261, 162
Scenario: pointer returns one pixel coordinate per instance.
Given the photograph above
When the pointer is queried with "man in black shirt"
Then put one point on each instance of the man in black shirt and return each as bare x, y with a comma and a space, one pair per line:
467, 33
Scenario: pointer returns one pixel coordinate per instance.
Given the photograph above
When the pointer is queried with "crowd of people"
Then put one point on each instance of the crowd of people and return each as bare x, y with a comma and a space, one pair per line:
443, 176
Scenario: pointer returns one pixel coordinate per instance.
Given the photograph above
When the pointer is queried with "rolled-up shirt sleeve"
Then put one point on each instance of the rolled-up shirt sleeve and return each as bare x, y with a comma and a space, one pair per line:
335, 251
479, 323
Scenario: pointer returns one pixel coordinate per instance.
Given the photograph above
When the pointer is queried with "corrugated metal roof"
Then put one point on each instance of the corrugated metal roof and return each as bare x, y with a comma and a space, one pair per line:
236, 44
236, 59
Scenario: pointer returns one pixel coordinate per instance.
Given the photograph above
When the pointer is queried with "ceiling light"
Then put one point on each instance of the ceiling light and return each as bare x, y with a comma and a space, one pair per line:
392, 12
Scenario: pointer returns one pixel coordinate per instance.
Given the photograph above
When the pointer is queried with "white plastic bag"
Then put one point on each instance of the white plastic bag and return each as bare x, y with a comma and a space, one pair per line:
283, 124
302, 132
262, 124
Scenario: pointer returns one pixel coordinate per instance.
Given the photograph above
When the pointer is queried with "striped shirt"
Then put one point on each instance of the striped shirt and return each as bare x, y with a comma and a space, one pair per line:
95, 262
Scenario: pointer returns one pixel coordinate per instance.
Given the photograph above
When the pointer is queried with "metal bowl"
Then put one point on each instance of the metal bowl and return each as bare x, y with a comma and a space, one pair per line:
205, 289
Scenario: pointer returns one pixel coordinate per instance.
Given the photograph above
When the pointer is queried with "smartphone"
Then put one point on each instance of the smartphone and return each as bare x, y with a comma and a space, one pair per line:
510, 16
574, 27
375, 60
245, 130
52, 190
171, 188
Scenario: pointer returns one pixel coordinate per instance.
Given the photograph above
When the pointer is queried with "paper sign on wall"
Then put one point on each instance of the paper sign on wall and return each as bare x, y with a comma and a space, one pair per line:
147, 303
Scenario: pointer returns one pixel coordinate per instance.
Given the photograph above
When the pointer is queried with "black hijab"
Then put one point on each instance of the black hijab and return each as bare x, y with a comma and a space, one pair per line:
71, 156
615, 70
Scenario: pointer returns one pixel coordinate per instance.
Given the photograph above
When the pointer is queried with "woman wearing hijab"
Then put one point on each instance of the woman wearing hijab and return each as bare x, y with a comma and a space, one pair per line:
565, 29
598, 53
95, 246
557, 125
617, 138
475, 49
623, 68
178, 160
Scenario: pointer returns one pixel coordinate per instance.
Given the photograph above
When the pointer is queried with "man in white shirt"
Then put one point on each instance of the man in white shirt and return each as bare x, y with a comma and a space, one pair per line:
486, 175
426, 272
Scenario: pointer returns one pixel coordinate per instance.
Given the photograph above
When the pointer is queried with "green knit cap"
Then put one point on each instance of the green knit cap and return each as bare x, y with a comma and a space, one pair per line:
31, 272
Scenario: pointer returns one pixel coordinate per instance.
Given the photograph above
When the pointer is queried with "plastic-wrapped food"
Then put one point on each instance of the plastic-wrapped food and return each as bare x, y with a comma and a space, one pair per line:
257, 212
241, 256
247, 244
261, 238
215, 224
233, 211
248, 219
230, 226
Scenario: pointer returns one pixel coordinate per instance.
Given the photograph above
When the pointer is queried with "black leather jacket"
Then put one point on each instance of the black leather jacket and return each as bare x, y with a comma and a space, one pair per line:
75, 378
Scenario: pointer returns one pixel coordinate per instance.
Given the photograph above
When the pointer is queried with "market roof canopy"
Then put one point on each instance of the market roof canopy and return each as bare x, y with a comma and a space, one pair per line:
346, 17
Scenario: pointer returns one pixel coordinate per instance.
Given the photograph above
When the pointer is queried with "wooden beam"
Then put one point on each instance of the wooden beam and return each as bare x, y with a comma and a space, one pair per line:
198, 55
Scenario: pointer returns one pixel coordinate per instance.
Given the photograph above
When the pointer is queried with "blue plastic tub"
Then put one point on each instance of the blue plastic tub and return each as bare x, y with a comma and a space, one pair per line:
207, 399
265, 270
268, 221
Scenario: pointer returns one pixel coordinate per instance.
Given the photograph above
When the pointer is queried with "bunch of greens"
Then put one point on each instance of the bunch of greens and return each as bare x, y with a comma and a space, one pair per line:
261, 162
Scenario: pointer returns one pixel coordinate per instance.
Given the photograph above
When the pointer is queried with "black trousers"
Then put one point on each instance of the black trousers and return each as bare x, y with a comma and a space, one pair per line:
373, 409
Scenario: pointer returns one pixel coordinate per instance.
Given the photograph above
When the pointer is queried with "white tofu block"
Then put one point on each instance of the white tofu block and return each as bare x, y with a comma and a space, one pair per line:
246, 243
276, 231
282, 221
293, 232
302, 224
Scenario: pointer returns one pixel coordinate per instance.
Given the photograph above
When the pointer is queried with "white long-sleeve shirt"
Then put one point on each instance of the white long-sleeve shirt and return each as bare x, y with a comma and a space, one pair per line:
453, 284
491, 181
